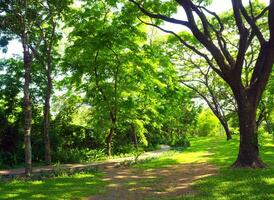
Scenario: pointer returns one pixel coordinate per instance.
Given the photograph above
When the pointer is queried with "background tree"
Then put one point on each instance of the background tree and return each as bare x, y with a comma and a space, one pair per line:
199, 77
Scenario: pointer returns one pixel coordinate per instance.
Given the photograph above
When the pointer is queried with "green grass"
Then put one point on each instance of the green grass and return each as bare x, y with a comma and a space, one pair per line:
65, 187
229, 184
197, 153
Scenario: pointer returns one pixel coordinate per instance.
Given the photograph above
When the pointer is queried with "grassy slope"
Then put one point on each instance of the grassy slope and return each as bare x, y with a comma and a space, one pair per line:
228, 184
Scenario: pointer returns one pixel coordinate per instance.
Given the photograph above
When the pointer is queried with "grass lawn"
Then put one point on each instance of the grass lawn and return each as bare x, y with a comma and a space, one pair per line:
228, 184
62, 187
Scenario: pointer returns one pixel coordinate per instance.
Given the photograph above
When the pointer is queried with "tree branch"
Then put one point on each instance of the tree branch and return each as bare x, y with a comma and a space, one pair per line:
159, 16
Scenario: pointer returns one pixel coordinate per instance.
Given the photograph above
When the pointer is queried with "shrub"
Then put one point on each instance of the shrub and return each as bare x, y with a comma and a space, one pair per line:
79, 155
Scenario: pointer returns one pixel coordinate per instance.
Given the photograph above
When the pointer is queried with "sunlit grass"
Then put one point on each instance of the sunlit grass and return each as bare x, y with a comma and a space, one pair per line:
66, 187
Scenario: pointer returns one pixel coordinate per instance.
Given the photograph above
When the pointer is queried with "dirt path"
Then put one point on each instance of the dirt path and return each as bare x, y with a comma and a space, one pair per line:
35, 170
139, 184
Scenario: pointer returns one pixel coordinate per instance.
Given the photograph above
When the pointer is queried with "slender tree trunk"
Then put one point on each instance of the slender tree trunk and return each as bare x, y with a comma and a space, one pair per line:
134, 136
111, 131
109, 141
27, 110
227, 130
248, 155
47, 112
47, 124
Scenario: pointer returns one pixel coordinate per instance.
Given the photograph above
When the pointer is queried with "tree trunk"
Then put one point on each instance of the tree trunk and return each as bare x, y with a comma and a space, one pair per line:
134, 136
109, 141
109, 138
46, 126
47, 113
248, 156
227, 130
27, 111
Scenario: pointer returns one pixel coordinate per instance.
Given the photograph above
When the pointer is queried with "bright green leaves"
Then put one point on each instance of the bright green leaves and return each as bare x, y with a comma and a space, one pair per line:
166, 7
120, 74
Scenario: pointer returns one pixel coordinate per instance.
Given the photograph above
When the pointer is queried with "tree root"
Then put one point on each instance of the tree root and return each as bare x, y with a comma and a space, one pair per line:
256, 164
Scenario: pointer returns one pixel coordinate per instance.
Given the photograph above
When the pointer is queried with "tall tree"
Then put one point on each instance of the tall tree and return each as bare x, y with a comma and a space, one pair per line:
227, 63
51, 14
100, 68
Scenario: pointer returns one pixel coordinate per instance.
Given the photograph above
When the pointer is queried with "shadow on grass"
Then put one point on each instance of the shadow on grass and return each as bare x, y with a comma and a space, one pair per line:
235, 185
69, 187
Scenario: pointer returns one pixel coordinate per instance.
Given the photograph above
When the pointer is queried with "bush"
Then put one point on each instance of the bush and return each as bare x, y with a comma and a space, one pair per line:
124, 149
79, 155
178, 140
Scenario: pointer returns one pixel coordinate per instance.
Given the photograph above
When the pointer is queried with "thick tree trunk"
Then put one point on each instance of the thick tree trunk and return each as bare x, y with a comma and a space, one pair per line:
248, 156
47, 113
27, 111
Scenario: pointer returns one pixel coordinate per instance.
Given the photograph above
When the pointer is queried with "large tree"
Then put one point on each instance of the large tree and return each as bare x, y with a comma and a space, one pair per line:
228, 62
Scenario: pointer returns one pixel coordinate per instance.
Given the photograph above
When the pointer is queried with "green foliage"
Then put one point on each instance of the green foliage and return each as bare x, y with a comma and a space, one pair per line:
207, 124
178, 140
140, 131
79, 155
10, 113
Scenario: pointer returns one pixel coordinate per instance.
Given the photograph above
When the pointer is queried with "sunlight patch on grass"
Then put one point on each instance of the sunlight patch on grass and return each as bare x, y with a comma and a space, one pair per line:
38, 196
192, 157
269, 181
36, 183
175, 157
